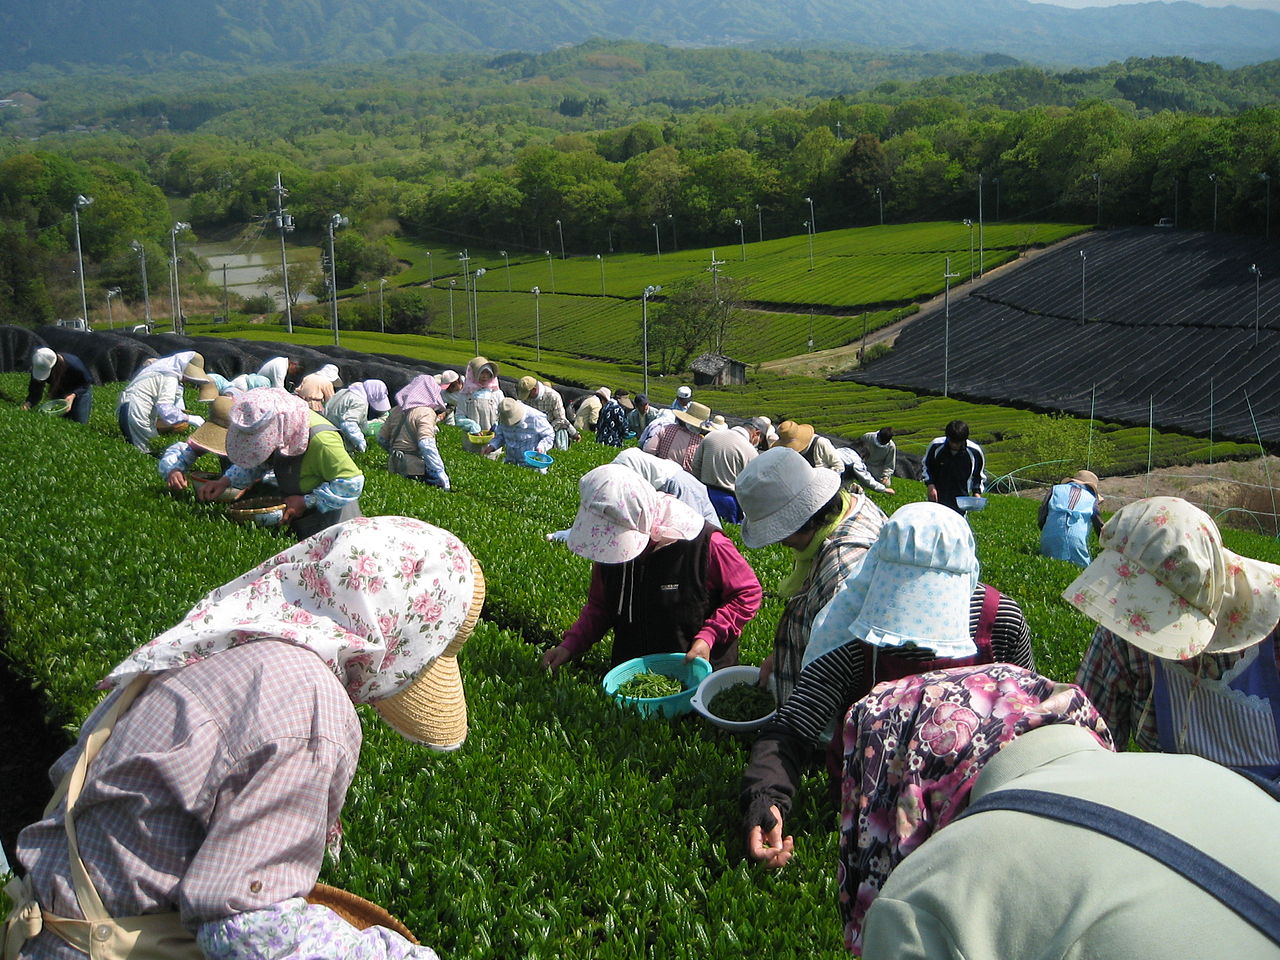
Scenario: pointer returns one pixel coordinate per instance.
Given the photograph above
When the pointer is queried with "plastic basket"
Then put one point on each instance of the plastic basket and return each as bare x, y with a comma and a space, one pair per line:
971, 504
480, 439
719, 681
690, 674
52, 407
534, 459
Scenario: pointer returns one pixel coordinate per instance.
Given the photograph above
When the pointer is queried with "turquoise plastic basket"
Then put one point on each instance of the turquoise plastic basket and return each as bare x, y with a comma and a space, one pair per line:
669, 665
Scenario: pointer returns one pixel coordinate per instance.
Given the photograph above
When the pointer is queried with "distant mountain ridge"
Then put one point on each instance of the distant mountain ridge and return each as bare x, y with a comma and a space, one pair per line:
150, 31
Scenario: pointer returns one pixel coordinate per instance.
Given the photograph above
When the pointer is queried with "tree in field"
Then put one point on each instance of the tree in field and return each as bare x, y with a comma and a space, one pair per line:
698, 313
302, 275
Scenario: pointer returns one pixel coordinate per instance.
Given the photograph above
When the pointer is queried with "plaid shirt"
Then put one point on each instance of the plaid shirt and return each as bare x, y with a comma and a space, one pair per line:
212, 797
1120, 680
839, 556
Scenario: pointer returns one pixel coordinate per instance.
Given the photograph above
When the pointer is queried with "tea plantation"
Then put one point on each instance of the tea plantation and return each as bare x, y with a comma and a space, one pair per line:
565, 827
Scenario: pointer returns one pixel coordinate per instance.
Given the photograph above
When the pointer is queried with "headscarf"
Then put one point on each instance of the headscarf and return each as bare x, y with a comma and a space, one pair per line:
374, 393
264, 422
912, 751
172, 366
249, 381
475, 367
912, 588
379, 599
422, 391
329, 372
619, 515
655, 470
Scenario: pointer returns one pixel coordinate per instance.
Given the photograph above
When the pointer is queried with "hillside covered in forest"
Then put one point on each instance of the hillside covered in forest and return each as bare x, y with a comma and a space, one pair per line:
143, 32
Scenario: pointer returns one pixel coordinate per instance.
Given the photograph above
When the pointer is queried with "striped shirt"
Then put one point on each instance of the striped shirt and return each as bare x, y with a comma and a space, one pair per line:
828, 686
1120, 681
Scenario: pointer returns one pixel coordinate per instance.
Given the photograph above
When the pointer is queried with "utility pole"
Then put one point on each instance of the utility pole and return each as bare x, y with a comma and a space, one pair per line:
141, 251
226, 298
284, 223
947, 277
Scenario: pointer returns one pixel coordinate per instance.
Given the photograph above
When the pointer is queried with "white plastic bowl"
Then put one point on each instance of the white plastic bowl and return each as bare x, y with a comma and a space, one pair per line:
971, 504
718, 681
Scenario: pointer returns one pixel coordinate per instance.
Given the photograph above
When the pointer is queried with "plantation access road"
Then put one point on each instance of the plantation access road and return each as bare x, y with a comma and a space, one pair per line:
824, 363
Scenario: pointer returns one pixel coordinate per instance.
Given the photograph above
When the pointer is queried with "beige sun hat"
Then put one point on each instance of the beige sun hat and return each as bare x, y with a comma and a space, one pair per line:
1165, 583
778, 491
510, 411
794, 435
1085, 478
432, 709
524, 387
697, 415
212, 434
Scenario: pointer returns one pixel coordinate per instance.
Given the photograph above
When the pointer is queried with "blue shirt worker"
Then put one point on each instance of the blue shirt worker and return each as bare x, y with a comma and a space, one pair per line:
520, 429
1068, 513
953, 466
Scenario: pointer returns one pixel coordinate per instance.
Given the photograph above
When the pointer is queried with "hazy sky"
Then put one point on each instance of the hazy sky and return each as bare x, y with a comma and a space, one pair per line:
1260, 4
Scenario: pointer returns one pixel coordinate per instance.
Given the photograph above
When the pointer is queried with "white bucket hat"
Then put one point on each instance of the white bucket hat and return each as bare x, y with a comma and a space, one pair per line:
1165, 583
778, 491
619, 514
42, 363
912, 589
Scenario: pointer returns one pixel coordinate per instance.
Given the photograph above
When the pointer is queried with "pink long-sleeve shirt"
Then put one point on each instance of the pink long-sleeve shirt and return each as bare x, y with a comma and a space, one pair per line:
729, 576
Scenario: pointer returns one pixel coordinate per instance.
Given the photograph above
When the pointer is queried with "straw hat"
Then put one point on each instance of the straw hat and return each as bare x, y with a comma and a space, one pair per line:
510, 411
717, 422
696, 415
212, 434
524, 387
1085, 478
1165, 583
432, 709
195, 372
42, 362
778, 491
797, 436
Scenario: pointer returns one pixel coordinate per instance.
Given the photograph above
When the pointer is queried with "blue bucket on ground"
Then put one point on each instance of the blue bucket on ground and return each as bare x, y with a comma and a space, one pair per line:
534, 459
669, 665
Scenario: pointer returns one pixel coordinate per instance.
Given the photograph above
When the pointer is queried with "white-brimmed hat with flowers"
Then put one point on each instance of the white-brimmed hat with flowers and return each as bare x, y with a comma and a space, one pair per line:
1165, 583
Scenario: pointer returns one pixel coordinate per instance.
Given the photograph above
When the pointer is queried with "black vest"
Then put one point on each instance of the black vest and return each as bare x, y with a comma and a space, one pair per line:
664, 601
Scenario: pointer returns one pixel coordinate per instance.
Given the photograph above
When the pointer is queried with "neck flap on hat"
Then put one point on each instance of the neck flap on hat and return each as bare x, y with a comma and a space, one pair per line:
378, 599
172, 366
912, 589
266, 421
421, 391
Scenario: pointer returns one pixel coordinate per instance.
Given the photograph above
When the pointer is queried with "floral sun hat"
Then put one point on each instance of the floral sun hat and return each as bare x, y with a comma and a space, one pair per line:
265, 421
619, 514
385, 602
1165, 583
912, 589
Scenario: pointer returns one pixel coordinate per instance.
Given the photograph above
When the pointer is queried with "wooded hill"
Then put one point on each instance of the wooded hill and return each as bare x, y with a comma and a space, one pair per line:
142, 32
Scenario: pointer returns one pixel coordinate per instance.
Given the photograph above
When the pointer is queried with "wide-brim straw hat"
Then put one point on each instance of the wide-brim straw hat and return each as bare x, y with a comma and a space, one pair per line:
1165, 583
778, 491
696, 415
212, 434
510, 411
1085, 478
797, 436
194, 372
432, 709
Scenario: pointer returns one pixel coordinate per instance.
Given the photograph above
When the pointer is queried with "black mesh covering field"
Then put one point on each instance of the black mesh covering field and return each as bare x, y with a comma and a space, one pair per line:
1169, 325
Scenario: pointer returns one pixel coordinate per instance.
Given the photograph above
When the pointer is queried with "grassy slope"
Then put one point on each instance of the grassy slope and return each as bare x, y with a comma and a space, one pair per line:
565, 827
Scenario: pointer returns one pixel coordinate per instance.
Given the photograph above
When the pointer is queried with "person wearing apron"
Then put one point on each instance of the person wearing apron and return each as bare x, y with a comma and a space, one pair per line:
664, 580
1184, 659
271, 429
192, 816
481, 393
1067, 515
914, 605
